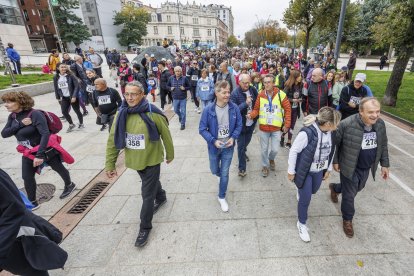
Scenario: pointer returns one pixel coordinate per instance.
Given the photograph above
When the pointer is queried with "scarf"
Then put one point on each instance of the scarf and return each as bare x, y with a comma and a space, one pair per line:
141, 109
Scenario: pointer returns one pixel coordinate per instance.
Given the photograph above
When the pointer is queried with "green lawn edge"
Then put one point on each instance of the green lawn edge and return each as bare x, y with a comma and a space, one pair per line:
5, 81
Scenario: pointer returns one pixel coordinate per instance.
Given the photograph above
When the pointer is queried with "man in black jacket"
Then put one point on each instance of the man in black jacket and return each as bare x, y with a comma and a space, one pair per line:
351, 96
19, 228
107, 100
164, 91
361, 144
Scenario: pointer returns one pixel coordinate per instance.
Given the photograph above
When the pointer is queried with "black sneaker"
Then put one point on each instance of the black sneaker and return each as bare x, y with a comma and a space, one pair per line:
68, 190
288, 145
70, 128
182, 127
116, 85
142, 238
62, 118
242, 173
36, 205
103, 127
282, 142
158, 204
85, 113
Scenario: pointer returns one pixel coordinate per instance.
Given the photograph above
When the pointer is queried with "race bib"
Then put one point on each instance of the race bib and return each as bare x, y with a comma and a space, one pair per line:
63, 85
25, 144
319, 166
355, 100
223, 132
104, 99
194, 77
135, 141
151, 82
90, 88
205, 88
155, 69
269, 118
369, 141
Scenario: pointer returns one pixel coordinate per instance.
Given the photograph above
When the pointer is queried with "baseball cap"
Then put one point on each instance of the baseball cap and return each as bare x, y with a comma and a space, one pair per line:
360, 77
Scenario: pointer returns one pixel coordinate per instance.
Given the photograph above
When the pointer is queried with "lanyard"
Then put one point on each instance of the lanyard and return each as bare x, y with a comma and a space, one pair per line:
270, 102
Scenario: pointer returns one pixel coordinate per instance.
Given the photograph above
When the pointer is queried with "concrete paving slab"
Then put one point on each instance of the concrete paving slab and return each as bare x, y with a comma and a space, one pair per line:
227, 240
93, 245
181, 183
401, 263
105, 210
259, 267
127, 184
168, 243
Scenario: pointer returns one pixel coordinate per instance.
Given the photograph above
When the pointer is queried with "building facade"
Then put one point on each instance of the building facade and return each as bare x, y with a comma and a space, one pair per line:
136, 3
225, 14
185, 24
12, 28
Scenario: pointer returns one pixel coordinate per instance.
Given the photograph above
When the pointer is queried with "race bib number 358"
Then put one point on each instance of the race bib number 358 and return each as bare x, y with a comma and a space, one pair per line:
135, 141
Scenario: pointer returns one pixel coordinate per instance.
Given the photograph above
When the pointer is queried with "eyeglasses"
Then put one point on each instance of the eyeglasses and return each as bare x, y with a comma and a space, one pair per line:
132, 95
267, 82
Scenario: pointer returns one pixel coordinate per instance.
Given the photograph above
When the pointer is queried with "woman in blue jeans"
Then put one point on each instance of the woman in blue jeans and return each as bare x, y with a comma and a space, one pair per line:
220, 126
310, 160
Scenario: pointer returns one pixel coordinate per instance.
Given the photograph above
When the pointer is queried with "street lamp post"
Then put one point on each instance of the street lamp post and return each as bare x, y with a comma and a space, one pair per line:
52, 14
340, 29
179, 21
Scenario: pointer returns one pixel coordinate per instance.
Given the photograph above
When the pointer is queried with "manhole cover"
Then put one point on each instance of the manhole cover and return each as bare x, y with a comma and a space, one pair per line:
44, 192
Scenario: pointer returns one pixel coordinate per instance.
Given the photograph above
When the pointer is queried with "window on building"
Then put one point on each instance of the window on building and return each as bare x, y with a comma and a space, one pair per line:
195, 20
10, 15
26, 15
169, 30
155, 30
88, 7
41, 13
30, 29
168, 18
46, 29
209, 32
94, 32
22, 2
37, 2
154, 18
38, 28
196, 32
92, 20
34, 12
182, 30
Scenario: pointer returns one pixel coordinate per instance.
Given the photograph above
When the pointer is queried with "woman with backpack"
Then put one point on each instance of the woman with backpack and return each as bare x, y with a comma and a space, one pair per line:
125, 75
31, 129
310, 160
66, 90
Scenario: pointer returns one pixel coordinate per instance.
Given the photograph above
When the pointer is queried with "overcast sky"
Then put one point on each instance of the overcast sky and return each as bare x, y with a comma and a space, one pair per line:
244, 12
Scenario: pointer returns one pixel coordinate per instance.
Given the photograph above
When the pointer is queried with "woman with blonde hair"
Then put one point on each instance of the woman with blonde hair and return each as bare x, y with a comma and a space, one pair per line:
310, 160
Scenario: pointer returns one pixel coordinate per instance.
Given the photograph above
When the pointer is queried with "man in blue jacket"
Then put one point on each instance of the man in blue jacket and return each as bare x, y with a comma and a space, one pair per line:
178, 85
220, 126
14, 57
244, 96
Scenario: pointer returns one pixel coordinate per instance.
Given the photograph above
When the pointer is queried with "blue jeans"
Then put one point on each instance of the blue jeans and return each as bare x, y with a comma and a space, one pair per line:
205, 103
220, 166
242, 143
180, 109
272, 138
312, 184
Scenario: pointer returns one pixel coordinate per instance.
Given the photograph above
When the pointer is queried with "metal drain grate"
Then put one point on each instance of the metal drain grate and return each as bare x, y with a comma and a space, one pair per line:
88, 198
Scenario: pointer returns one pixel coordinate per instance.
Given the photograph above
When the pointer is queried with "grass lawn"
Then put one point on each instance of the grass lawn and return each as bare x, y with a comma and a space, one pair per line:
26, 68
5, 81
377, 81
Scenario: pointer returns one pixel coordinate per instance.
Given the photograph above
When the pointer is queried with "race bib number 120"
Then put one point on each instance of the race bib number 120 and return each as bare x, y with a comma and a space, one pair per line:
319, 166
135, 141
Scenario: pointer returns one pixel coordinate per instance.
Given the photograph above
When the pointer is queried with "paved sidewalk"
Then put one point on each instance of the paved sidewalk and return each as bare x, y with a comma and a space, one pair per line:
191, 236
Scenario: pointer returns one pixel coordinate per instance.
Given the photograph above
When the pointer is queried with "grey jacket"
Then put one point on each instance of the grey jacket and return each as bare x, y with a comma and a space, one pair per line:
348, 144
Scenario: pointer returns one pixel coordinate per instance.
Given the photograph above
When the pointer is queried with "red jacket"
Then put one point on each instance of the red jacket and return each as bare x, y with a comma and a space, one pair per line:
54, 142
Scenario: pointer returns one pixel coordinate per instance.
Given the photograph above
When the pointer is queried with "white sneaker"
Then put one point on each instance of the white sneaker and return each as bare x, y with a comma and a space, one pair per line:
223, 204
195, 109
198, 110
303, 232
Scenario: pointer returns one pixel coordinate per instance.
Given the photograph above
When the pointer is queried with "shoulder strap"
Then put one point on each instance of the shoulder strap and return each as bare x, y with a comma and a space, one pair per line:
283, 111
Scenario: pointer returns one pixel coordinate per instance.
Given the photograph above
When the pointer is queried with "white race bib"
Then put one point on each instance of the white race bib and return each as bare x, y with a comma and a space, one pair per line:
194, 78
205, 88
135, 141
355, 100
63, 85
369, 141
104, 99
319, 166
90, 88
223, 132
155, 69
25, 144
151, 82
269, 118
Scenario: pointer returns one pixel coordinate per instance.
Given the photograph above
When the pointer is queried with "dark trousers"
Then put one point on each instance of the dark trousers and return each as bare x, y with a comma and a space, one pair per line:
17, 67
164, 94
98, 71
151, 190
312, 184
28, 174
349, 189
242, 142
66, 104
193, 96
17, 263
294, 117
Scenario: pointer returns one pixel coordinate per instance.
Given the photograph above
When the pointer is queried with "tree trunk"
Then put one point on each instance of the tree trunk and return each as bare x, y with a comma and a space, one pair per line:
394, 83
305, 55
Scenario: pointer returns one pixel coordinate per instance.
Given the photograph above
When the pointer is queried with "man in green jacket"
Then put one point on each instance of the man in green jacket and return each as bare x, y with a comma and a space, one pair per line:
361, 144
138, 129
